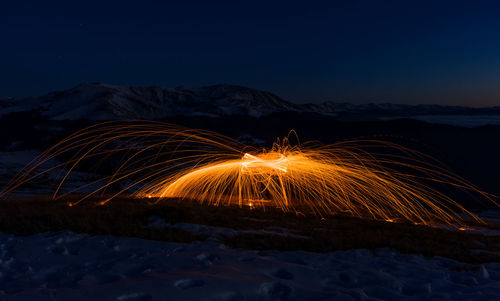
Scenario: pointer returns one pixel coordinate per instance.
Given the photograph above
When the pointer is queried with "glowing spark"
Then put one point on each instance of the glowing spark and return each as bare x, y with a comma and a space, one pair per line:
163, 161
279, 163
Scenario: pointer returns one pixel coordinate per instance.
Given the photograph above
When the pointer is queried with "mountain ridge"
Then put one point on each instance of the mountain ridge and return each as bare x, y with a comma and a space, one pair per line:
100, 101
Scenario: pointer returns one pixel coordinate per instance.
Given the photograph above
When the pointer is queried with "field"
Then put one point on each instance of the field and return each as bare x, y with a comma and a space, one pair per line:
245, 228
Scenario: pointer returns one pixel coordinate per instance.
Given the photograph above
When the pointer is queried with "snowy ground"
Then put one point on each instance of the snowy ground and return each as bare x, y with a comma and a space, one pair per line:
68, 266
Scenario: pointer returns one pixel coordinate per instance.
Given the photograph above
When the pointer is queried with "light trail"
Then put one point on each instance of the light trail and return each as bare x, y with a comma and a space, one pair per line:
160, 161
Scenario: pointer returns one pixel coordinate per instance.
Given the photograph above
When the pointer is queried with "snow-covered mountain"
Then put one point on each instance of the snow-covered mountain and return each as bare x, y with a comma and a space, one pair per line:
97, 101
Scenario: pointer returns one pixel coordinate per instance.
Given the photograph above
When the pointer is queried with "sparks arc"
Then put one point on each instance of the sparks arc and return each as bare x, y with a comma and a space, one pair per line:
162, 161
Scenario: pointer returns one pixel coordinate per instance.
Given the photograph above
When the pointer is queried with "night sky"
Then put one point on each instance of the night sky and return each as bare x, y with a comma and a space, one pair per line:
445, 52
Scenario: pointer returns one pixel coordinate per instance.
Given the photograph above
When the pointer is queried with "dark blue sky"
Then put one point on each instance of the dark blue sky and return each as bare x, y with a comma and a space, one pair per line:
445, 52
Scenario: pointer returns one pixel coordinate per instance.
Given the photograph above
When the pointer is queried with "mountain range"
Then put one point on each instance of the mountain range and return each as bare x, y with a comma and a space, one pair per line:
98, 101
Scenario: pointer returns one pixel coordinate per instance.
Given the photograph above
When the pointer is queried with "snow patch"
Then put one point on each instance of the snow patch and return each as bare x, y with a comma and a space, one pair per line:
120, 268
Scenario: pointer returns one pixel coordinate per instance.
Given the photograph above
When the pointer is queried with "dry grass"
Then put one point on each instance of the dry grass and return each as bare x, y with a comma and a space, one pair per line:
129, 217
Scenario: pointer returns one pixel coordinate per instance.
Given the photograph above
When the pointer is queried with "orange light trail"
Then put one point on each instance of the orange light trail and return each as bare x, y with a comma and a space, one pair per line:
161, 161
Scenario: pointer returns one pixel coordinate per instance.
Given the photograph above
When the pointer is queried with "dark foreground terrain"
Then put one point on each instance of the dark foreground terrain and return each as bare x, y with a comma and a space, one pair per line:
255, 229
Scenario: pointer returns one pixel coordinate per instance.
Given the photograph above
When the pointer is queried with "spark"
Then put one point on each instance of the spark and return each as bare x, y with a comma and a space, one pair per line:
279, 163
162, 161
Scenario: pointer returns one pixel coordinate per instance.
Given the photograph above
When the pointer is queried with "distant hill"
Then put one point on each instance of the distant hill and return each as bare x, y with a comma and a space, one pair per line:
98, 101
